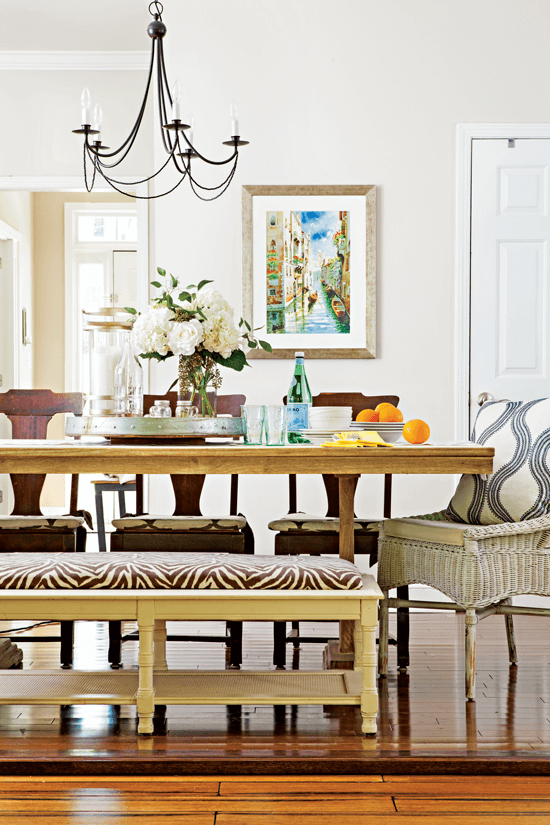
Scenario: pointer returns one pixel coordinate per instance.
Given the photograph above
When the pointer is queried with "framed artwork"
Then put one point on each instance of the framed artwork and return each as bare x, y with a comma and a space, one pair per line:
309, 269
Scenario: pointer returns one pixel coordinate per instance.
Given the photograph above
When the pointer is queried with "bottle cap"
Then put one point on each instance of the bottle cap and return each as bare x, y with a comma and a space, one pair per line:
299, 355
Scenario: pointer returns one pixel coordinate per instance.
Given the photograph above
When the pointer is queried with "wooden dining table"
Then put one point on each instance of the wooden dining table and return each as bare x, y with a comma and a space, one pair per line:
346, 463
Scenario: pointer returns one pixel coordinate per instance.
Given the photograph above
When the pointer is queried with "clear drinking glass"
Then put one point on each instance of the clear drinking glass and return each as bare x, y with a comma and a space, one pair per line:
254, 420
275, 424
160, 409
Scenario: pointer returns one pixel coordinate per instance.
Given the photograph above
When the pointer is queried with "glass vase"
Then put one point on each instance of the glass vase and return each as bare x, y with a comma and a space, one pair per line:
198, 386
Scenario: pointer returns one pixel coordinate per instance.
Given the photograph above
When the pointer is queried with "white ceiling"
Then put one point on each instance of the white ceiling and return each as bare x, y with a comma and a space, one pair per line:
74, 25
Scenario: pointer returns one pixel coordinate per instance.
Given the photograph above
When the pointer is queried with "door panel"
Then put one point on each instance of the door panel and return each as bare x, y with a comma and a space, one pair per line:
509, 270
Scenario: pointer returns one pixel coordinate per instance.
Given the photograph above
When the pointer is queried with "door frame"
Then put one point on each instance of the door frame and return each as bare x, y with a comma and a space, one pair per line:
466, 133
75, 184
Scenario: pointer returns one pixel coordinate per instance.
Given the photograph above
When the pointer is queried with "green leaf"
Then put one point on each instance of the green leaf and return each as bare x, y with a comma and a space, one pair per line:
174, 281
252, 344
241, 322
203, 283
131, 310
236, 361
184, 296
161, 272
157, 284
247, 325
265, 346
156, 356
201, 313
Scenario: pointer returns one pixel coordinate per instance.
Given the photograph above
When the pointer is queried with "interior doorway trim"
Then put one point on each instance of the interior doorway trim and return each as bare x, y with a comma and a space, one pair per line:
466, 133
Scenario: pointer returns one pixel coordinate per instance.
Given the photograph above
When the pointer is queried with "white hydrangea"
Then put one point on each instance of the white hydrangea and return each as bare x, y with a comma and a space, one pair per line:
220, 333
185, 336
152, 329
212, 303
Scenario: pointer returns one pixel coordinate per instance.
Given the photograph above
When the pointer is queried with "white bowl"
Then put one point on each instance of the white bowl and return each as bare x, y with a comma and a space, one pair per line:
317, 421
335, 410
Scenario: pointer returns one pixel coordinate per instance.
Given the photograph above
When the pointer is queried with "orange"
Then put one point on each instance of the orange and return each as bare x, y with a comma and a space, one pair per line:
367, 415
416, 431
387, 412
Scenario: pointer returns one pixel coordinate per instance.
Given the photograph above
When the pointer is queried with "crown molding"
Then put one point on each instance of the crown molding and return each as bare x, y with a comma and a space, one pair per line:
74, 61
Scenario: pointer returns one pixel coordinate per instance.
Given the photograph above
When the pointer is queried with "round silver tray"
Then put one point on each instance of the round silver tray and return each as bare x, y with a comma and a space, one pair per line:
110, 426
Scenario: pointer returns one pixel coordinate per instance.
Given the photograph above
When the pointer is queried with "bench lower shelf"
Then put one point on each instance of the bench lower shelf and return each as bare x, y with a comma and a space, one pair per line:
181, 687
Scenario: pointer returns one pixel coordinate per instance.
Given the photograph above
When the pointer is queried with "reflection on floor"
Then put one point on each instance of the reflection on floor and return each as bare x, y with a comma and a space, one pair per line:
423, 714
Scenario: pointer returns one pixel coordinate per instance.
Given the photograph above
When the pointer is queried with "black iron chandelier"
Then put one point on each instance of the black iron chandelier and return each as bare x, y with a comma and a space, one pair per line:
177, 135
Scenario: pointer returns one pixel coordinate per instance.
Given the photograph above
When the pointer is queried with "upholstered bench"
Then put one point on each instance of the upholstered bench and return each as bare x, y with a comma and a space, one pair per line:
152, 588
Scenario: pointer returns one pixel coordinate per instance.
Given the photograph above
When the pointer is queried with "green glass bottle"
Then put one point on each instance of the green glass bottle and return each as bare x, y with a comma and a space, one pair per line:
298, 402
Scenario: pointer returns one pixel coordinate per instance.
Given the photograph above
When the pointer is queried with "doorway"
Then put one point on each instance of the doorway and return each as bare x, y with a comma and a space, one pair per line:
502, 291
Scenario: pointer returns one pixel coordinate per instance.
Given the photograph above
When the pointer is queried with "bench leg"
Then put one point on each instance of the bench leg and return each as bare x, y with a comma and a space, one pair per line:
146, 691
67, 644
279, 645
236, 654
369, 695
114, 656
160, 645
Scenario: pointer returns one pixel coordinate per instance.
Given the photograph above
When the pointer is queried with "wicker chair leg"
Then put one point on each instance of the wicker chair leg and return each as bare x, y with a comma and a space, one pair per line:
383, 635
471, 622
510, 637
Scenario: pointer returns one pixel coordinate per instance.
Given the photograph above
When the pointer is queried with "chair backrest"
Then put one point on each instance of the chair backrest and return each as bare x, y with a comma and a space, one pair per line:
357, 401
188, 488
29, 412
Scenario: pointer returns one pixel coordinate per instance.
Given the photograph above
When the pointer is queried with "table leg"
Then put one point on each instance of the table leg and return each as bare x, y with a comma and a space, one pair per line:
347, 485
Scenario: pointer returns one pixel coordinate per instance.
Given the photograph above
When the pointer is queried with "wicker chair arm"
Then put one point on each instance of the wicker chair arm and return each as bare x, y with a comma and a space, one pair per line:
537, 529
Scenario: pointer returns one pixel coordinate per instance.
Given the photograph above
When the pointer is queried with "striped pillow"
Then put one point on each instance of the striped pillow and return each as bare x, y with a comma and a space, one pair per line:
519, 488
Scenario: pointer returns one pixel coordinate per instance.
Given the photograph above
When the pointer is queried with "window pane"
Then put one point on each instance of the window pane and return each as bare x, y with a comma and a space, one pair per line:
93, 229
127, 228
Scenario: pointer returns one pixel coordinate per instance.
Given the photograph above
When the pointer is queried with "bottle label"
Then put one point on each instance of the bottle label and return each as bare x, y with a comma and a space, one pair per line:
297, 417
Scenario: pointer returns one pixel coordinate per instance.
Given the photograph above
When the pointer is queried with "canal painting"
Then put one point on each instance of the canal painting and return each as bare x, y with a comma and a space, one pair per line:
308, 272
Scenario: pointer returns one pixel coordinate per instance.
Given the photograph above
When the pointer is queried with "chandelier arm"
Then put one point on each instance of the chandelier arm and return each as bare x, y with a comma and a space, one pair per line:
200, 197
133, 195
213, 188
130, 183
206, 160
135, 128
88, 188
163, 116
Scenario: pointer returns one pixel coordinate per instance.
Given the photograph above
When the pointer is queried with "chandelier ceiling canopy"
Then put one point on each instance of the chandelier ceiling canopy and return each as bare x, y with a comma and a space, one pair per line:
177, 133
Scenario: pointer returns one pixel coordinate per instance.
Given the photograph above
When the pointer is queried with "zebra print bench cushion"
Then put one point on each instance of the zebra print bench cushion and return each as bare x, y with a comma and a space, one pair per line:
519, 488
174, 571
200, 523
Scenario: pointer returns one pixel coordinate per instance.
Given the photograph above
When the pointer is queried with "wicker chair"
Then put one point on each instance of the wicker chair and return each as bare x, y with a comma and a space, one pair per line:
480, 566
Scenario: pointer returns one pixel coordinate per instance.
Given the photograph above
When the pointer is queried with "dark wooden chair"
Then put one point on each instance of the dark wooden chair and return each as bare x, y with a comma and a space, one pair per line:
299, 533
29, 412
147, 533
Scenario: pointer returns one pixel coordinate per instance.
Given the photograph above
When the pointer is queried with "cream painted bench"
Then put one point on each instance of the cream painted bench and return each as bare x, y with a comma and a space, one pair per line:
153, 588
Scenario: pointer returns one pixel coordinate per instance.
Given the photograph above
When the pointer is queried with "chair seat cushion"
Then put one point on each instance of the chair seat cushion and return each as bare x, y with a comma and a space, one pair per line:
304, 523
519, 488
428, 528
40, 522
200, 523
174, 571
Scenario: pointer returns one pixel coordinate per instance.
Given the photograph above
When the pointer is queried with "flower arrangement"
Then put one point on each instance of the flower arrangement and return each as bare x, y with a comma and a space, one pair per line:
200, 329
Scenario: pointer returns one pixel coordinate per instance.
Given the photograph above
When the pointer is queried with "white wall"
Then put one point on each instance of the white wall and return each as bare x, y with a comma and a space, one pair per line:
355, 92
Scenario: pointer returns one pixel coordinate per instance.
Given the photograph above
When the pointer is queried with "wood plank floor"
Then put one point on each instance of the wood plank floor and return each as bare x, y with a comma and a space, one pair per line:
425, 726
277, 800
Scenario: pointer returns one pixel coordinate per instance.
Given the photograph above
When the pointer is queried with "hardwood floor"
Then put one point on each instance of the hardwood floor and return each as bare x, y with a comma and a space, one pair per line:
313, 800
425, 726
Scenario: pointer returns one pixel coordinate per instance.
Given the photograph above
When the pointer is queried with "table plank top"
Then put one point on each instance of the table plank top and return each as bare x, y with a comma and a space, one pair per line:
34, 456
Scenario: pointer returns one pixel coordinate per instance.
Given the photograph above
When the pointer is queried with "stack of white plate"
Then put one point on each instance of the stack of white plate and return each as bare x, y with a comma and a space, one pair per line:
329, 417
389, 430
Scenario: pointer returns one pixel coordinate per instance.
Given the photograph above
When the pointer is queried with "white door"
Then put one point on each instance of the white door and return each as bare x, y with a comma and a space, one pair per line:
509, 270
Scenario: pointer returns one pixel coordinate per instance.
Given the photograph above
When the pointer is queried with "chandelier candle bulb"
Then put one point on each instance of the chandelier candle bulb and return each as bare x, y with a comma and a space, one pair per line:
98, 120
86, 102
176, 101
234, 112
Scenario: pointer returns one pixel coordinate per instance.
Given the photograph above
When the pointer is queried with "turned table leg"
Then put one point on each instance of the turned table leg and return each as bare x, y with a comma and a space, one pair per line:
347, 485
